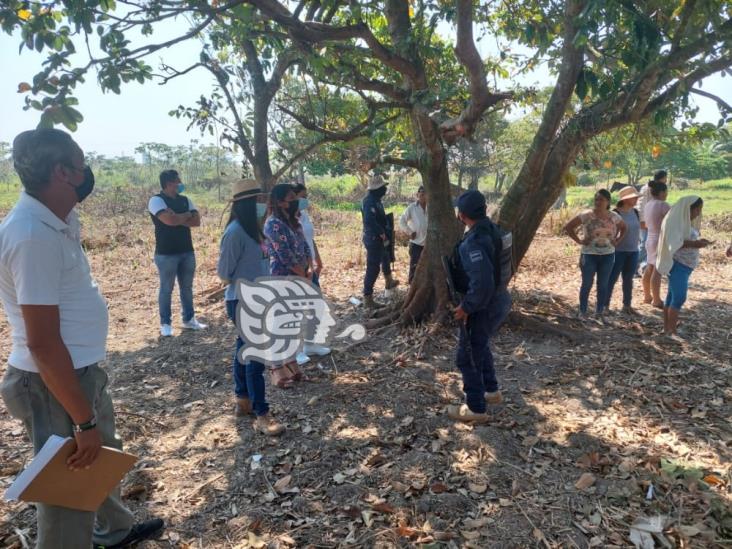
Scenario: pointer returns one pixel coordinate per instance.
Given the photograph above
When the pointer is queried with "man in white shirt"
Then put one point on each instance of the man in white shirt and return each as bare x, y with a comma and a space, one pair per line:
414, 223
59, 321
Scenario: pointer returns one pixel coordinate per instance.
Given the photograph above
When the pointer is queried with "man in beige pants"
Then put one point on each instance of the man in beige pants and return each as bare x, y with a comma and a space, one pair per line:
59, 322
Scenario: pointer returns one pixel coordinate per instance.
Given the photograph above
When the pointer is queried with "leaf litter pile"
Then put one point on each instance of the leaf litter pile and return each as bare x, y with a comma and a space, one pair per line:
610, 436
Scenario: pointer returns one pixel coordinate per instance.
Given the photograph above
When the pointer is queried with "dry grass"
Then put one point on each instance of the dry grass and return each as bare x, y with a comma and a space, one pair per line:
371, 459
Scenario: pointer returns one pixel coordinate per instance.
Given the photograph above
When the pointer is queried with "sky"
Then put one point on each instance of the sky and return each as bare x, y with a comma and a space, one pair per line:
115, 124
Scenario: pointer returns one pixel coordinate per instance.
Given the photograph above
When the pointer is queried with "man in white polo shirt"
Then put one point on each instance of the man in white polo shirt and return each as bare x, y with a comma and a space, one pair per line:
59, 325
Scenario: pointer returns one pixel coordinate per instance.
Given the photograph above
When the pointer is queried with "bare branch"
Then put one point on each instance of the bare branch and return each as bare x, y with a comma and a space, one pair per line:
480, 97
721, 102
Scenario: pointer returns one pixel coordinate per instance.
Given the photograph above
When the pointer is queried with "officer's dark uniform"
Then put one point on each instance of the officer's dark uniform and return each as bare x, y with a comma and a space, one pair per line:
486, 305
374, 225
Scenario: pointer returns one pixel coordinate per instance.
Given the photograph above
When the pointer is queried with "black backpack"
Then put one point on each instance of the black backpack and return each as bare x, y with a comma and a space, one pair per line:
502, 258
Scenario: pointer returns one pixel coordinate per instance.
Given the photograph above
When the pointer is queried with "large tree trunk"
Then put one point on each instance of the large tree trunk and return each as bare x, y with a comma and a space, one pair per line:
261, 166
428, 292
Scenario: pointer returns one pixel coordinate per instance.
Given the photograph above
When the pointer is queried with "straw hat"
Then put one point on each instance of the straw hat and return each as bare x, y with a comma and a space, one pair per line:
245, 188
376, 182
626, 193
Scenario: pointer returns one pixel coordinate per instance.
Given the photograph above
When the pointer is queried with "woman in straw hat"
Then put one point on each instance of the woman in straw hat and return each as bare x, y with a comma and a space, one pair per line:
626, 250
243, 256
678, 255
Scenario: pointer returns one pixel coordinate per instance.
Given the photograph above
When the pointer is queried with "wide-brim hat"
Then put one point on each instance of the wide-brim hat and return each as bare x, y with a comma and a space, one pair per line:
245, 188
626, 193
376, 182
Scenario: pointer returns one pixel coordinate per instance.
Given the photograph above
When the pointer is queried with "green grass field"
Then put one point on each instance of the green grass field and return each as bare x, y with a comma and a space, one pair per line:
344, 194
717, 195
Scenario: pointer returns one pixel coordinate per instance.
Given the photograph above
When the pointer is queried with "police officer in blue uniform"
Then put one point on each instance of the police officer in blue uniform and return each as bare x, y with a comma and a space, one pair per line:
484, 306
376, 240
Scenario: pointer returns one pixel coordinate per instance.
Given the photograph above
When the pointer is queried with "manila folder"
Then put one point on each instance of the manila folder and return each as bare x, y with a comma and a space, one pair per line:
49, 480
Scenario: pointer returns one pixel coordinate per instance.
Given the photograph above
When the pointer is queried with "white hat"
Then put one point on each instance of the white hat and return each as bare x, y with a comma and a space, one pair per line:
376, 182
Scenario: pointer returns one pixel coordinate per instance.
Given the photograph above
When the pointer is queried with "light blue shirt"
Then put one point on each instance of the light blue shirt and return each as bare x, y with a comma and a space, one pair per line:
630, 240
241, 257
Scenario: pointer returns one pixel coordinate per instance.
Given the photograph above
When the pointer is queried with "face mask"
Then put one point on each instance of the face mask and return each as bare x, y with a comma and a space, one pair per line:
293, 207
303, 203
181, 187
261, 210
86, 187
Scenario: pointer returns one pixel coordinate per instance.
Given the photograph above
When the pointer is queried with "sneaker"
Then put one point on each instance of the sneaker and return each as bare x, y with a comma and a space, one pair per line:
462, 413
630, 311
314, 349
139, 532
391, 283
302, 358
494, 398
166, 330
193, 324
268, 426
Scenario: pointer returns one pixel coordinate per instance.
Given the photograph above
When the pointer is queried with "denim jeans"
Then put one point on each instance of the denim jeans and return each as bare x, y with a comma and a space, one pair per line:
170, 267
678, 285
415, 252
28, 399
591, 264
474, 356
625, 263
249, 377
642, 248
377, 259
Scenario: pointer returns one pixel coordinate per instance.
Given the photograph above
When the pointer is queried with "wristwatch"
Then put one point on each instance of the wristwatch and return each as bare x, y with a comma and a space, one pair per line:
91, 424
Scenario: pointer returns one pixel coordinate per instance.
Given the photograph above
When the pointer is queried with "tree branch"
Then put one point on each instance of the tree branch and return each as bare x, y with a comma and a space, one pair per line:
312, 32
480, 97
721, 102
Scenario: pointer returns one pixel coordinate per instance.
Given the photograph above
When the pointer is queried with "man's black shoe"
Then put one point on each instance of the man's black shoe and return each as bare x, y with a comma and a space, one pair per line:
139, 532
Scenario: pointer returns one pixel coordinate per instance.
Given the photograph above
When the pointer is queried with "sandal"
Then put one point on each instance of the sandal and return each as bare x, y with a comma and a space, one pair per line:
280, 380
296, 372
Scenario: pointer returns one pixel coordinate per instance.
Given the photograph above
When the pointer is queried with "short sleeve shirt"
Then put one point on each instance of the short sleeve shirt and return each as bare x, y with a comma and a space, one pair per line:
600, 231
42, 263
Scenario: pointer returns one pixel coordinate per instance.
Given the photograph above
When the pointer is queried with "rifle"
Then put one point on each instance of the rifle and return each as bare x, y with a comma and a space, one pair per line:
450, 282
390, 237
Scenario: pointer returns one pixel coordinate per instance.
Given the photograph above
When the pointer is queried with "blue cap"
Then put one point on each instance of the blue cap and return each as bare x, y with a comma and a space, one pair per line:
472, 204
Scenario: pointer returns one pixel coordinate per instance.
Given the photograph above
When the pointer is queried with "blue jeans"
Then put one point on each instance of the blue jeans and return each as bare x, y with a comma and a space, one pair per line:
590, 265
170, 267
625, 263
249, 377
642, 248
377, 259
474, 356
678, 285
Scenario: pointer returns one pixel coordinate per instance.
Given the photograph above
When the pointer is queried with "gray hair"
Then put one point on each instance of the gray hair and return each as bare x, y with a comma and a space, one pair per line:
37, 152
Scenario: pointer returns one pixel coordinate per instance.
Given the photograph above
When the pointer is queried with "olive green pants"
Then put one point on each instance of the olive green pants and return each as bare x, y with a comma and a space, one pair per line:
27, 398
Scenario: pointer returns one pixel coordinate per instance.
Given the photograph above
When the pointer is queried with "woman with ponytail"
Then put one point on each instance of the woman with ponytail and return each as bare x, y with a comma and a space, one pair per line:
244, 256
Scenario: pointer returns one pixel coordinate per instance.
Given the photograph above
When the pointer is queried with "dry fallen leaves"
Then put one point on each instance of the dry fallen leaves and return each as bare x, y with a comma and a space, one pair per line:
585, 481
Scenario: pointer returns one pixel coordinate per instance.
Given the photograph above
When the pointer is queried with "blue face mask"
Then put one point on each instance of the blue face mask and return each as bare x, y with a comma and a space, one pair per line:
304, 203
181, 187
261, 210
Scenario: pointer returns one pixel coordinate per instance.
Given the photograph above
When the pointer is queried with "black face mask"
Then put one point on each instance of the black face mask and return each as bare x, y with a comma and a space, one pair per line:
380, 193
86, 187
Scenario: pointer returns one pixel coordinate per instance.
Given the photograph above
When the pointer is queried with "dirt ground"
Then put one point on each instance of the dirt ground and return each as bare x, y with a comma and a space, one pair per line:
609, 435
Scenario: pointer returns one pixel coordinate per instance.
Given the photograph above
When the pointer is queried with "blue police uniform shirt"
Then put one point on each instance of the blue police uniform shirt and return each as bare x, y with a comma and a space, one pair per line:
374, 217
476, 253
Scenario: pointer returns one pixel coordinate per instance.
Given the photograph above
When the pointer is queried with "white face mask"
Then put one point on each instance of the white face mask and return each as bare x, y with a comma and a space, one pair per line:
261, 210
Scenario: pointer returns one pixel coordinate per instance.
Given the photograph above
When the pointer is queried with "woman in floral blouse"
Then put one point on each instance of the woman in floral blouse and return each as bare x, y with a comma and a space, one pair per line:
289, 255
